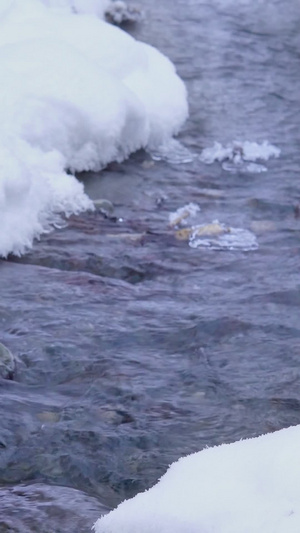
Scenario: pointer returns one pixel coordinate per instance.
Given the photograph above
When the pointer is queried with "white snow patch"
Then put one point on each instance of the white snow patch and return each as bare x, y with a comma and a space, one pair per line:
75, 93
251, 486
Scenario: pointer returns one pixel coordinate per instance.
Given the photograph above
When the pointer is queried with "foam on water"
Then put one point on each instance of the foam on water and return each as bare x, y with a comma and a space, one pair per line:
76, 93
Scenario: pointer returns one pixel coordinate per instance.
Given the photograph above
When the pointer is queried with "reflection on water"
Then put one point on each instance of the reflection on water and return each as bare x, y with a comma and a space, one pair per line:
132, 347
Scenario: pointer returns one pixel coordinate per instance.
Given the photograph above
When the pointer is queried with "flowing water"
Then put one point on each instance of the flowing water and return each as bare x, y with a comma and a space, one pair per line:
132, 347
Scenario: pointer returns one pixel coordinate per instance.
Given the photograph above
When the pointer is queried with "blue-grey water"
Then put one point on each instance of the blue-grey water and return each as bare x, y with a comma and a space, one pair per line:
132, 348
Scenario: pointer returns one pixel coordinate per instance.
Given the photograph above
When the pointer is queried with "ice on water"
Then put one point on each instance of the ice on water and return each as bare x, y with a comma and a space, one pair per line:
214, 235
240, 156
250, 486
183, 214
172, 151
75, 94
235, 157
223, 238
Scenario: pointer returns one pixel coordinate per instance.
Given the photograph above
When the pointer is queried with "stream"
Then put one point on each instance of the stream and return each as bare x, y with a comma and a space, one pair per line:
133, 348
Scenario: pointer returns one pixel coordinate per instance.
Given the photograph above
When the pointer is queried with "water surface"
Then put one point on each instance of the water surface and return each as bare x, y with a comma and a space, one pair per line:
132, 348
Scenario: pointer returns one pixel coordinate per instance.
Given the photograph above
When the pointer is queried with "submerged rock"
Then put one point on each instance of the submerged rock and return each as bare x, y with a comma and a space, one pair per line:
7, 363
214, 229
105, 206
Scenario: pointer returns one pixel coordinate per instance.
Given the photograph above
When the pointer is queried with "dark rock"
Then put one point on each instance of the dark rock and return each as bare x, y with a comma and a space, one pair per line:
7, 363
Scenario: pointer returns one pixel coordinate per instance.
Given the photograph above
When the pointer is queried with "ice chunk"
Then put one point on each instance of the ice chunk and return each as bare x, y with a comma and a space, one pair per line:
218, 236
183, 214
240, 156
239, 165
172, 151
214, 235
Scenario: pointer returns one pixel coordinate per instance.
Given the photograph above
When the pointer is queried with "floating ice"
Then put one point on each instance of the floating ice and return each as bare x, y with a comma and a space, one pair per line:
75, 93
250, 486
172, 151
240, 165
215, 235
218, 236
240, 156
182, 215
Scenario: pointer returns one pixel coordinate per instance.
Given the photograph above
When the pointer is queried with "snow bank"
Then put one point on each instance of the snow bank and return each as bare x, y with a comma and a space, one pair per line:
118, 12
250, 486
75, 93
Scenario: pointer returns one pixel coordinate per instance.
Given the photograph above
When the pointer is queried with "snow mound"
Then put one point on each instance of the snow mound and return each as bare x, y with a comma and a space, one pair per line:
251, 486
34, 191
75, 94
